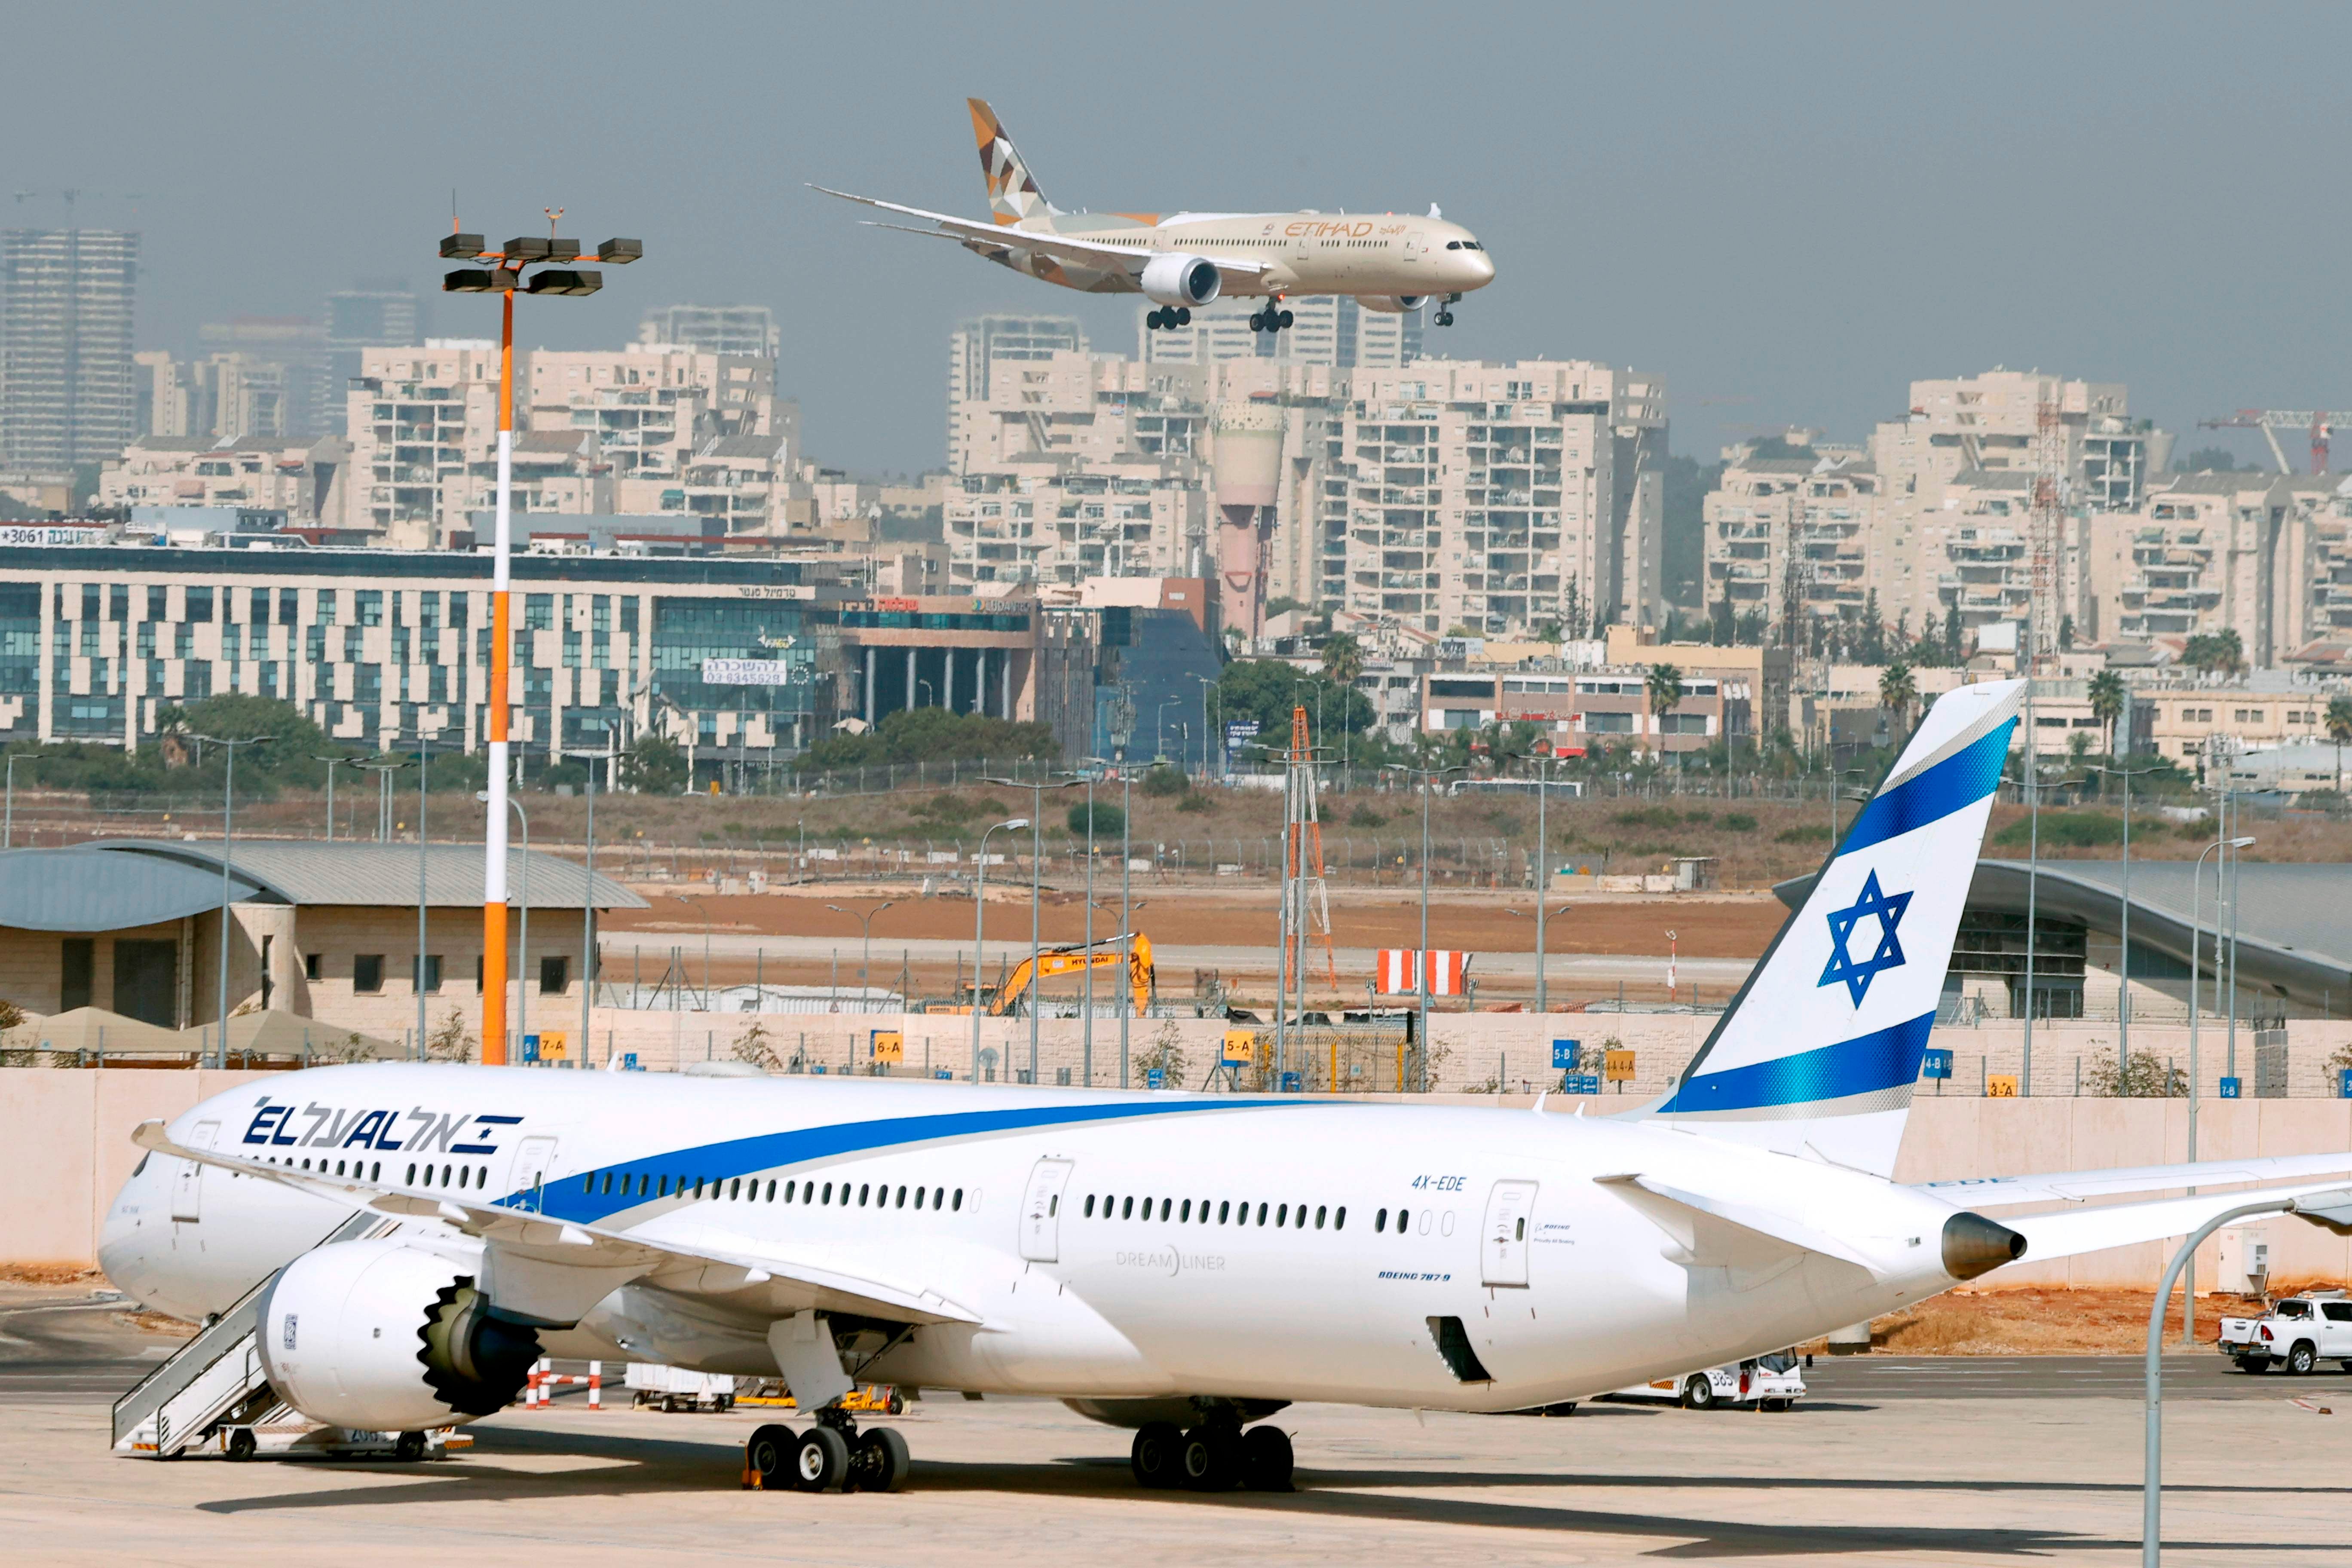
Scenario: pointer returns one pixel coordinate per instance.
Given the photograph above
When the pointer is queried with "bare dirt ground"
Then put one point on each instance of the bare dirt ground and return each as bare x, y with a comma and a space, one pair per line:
2045, 1322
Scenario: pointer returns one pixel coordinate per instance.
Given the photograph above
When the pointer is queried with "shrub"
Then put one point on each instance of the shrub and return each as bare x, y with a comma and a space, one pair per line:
1648, 817
2147, 1079
1738, 822
1196, 802
1166, 782
1107, 821
1698, 818
2065, 830
1365, 816
1803, 833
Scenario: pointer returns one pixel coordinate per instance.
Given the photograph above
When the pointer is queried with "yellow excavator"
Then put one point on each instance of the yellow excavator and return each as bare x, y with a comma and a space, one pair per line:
1104, 955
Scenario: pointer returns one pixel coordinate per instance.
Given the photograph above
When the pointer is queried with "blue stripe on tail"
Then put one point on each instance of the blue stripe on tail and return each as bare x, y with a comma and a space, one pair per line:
1884, 1058
1960, 780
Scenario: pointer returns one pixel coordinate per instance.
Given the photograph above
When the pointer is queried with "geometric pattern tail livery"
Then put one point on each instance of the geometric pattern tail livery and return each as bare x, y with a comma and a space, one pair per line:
1819, 1052
1013, 196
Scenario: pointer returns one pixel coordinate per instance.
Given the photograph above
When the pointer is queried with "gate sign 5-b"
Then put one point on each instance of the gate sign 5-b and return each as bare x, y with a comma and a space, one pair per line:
1565, 1054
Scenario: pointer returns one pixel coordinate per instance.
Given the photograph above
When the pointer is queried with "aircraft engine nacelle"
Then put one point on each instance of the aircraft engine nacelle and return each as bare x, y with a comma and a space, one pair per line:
1392, 304
384, 1336
1180, 281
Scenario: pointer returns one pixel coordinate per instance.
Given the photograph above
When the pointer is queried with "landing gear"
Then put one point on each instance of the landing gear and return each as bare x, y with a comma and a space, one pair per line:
830, 1457
1444, 316
1214, 1457
1273, 318
1169, 318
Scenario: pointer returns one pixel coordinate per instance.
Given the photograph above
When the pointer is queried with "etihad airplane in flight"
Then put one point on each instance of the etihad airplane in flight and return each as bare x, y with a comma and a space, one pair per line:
1386, 261
407, 1240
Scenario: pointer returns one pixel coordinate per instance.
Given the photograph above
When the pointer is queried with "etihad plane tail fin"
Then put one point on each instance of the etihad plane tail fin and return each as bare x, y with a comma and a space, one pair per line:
1013, 195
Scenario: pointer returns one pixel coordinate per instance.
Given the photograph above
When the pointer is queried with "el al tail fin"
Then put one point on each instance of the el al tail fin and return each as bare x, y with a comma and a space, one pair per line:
1818, 1053
1013, 196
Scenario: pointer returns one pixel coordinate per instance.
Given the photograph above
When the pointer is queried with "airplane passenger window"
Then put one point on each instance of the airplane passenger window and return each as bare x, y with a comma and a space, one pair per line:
444, 1174
828, 1192
862, 1190
921, 1192
665, 1188
901, 1202
735, 1189
1260, 1213
645, 1180
1381, 1221
698, 1186
959, 1200
1340, 1218
1319, 1217
1127, 1211
772, 1191
1185, 1214
1089, 1210
409, 1183
1224, 1211
1054, 1206
1401, 1217
789, 1188
939, 1195
1282, 1216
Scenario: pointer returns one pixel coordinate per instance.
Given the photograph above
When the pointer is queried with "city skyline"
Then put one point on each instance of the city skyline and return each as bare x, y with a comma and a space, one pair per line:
1672, 216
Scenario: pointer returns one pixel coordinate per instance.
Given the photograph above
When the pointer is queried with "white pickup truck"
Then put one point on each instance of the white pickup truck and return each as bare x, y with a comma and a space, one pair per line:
2297, 1333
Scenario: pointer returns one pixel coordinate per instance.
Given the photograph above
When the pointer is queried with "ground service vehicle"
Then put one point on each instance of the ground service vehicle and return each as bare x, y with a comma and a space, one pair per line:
1772, 1382
2297, 1333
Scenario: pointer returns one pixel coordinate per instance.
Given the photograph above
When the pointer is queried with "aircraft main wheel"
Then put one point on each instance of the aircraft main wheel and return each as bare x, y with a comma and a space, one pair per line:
1211, 1460
1698, 1392
1257, 322
821, 1462
241, 1444
1156, 1453
409, 1448
1284, 319
1184, 315
2303, 1361
769, 1453
1267, 1459
881, 1462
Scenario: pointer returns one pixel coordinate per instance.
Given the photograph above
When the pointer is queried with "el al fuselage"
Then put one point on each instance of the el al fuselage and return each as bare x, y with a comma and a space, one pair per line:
1190, 1300
1303, 252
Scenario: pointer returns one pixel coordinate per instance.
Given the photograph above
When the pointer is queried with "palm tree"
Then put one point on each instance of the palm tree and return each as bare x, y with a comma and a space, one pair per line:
1664, 688
2338, 720
2106, 693
1343, 659
1898, 688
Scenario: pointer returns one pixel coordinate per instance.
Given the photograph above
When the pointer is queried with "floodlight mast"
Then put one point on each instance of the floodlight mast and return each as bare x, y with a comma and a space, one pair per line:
556, 276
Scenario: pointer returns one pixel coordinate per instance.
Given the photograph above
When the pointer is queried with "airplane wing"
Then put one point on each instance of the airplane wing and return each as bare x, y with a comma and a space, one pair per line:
1712, 1230
2078, 1186
2069, 1232
1061, 246
555, 1258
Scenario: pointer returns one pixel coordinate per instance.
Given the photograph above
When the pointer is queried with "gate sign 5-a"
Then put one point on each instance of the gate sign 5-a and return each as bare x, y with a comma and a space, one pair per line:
1397, 972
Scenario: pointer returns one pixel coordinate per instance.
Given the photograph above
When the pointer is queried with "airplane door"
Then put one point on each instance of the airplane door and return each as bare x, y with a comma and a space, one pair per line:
533, 1156
1503, 1247
188, 1186
1041, 1212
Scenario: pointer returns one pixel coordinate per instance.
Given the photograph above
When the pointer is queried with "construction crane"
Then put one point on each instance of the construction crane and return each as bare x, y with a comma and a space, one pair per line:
2320, 422
1104, 955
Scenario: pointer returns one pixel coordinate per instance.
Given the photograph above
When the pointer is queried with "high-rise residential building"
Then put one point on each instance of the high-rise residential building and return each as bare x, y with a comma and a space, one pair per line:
68, 392
977, 344
749, 330
1326, 329
377, 312
272, 378
676, 429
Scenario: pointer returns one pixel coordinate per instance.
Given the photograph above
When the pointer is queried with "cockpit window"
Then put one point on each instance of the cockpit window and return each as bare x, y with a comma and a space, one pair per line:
1453, 245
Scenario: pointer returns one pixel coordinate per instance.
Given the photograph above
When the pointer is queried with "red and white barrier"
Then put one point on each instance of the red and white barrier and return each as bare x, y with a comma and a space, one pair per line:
538, 1392
1397, 972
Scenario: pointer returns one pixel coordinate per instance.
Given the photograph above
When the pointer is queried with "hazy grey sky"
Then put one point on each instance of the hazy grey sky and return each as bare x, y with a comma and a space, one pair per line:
1788, 212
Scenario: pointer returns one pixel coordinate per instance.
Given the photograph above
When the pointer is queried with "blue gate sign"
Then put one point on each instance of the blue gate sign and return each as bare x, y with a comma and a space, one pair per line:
1580, 1083
2344, 1083
2229, 1086
1938, 1064
1153, 1078
1564, 1053
629, 1062
530, 1048
1293, 1083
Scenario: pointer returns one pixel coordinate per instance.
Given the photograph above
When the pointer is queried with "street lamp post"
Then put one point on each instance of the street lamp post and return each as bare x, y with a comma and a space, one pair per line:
8, 821
1428, 777
980, 926
1036, 788
865, 951
2332, 1209
228, 836
2123, 961
1543, 875
2196, 1093
1539, 918
523, 938
332, 764
556, 276
1126, 912
2033, 785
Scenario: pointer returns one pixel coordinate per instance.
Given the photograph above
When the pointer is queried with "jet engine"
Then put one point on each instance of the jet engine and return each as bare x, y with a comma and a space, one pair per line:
1180, 281
385, 1336
1392, 304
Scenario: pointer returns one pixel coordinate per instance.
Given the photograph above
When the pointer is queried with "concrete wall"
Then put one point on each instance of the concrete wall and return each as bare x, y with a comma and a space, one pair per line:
65, 1147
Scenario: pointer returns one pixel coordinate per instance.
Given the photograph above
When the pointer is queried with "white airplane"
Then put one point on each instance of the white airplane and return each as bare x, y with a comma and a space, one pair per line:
1183, 1264
1387, 261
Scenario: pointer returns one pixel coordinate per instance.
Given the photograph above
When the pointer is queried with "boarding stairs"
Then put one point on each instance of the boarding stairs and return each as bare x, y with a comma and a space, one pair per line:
216, 1378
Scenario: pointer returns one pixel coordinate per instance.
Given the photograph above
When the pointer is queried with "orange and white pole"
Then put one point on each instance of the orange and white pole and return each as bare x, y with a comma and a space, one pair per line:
494, 837
595, 1385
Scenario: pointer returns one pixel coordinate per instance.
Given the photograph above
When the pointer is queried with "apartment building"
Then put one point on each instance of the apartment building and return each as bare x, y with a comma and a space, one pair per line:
741, 331
978, 345
384, 646
1796, 537
69, 394
1331, 330
1586, 710
300, 479
381, 313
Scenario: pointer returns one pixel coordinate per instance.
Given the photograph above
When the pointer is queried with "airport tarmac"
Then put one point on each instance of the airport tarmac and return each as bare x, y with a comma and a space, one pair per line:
1894, 1460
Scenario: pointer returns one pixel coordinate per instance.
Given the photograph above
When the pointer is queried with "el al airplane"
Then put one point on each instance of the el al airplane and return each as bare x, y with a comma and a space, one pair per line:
1387, 261
1185, 1263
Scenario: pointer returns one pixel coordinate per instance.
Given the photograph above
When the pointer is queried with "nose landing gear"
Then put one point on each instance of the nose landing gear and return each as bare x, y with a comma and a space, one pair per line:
1444, 314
